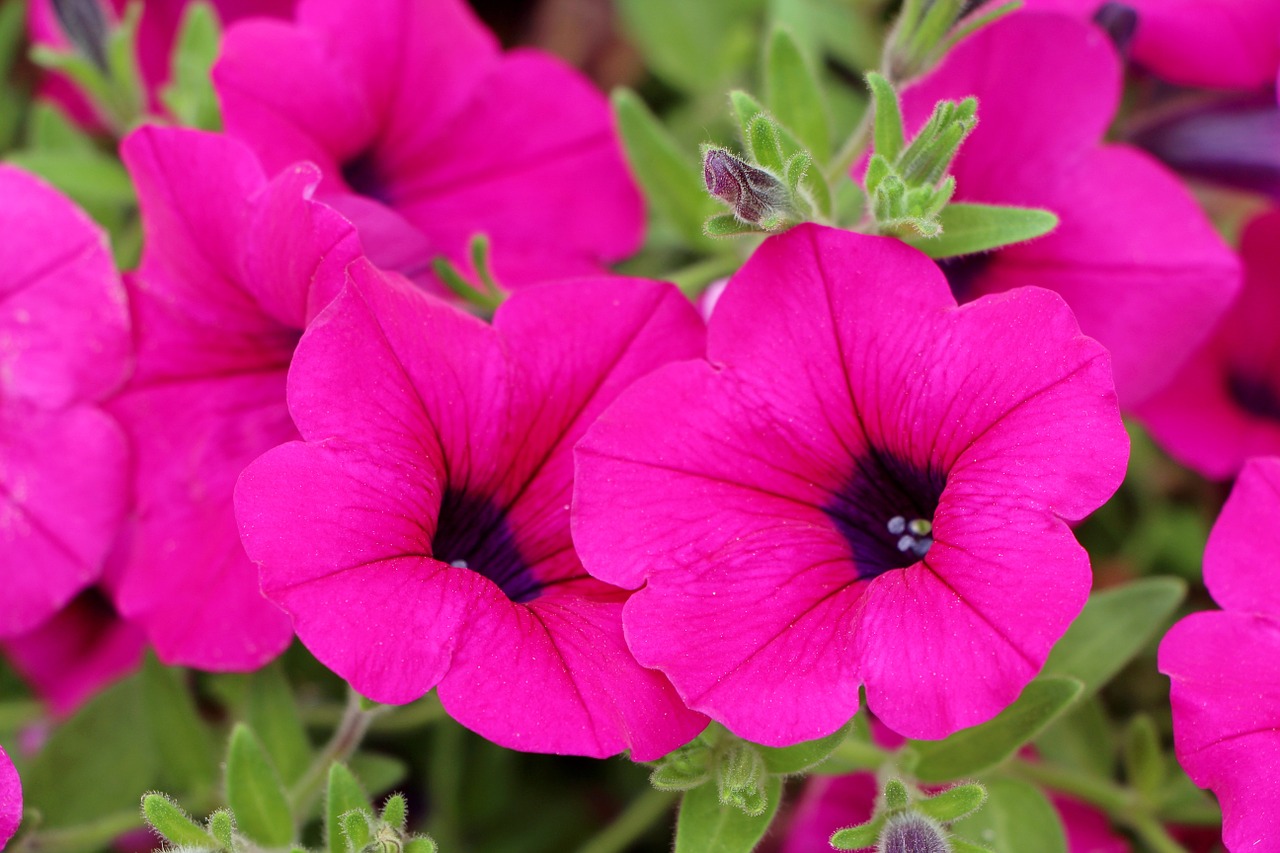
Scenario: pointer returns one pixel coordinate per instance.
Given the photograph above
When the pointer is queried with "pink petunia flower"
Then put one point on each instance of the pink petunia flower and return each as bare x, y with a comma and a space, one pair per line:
10, 799
1133, 255
1223, 407
157, 31
233, 266
1220, 44
64, 345
427, 134
1224, 667
81, 649
861, 485
419, 537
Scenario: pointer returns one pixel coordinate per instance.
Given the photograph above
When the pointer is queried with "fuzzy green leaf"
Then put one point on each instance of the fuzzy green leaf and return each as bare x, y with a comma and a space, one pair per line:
272, 713
794, 95
342, 795
255, 793
858, 837
706, 826
672, 180
889, 136
953, 803
187, 753
972, 750
167, 818
802, 756
970, 228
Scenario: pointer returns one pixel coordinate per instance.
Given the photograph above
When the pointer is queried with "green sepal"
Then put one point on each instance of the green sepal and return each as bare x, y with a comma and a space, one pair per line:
877, 170
794, 94
747, 108
896, 795
1115, 625
889, 137
953, 803
763, 143
272, 712
188, 757
929, 35
356, 828
1143, 759
728, 225
973, 750
802, 756
173, 824
969, 228
740, 777
189, 97
687, 766
930, 153
672, 180
342, 795
222, 826
420, 844
705, 825
1016, 818
858, 837
255, 793
395, 812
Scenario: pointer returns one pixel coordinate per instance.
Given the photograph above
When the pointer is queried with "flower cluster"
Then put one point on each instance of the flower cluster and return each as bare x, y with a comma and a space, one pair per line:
372, 380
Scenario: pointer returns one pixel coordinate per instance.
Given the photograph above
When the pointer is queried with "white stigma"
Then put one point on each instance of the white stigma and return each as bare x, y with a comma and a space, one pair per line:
458, 564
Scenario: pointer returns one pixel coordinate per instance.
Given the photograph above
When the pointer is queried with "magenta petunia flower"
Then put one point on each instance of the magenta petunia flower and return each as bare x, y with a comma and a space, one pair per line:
862, 485
64, 345
1225, 666
1133, 255
78, 651
157, 31
1223, 407
1221, 44
233, 266
441, 136
419, 537
10, 799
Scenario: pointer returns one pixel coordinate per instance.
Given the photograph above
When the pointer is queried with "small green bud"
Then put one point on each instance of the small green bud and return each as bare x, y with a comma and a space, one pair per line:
355, 826
740, 775
222, 827
690, 765
395, 811
175, 825
896, 795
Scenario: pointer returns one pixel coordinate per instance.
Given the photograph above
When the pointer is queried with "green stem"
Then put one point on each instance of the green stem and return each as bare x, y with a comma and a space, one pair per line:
854, 147
1152, 833
444, 780
345, 740
632, 823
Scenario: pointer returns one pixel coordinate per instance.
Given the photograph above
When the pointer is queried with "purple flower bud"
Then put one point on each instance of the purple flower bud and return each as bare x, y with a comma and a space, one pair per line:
753, 193
912, 833
85, 25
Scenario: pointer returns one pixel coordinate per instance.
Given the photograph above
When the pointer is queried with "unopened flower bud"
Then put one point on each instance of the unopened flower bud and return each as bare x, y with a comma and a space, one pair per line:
755, 195
85, 25
912, 833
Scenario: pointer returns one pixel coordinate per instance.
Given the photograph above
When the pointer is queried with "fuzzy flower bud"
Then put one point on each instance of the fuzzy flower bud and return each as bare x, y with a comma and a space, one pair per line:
755, 195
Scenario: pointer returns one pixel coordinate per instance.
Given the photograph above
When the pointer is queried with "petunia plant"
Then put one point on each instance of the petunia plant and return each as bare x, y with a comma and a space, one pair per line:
740, 425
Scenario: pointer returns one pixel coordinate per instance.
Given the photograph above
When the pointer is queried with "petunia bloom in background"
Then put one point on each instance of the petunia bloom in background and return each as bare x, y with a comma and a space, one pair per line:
1223, 407
64, 345
1224, 667
10, 799
233, 266
441, 137
1133, 255
861, 485
419, 537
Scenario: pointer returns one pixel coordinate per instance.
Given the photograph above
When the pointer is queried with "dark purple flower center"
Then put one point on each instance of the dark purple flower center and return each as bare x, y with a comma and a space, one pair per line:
363, 175
963, 273
1255, 396
473, 533
885, 512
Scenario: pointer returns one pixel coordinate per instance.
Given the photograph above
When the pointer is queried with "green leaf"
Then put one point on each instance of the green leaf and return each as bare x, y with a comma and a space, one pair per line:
341, 796
858, 837
802, 756
89, 178
255, 793
49, 128
1016, 818
970, 751
969, 228
96, 763
190, 97
272, 713
953, 803
842, 29
1081, 739
187, 754
1115, 625
672, 180
706, 826
889, 136
794, 95
1144, 762
693, 46
177, 827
